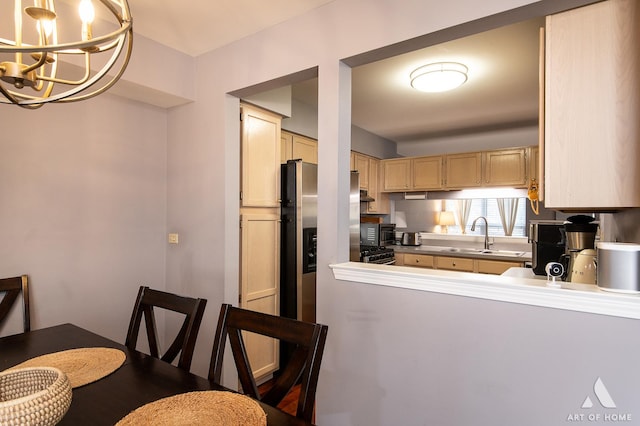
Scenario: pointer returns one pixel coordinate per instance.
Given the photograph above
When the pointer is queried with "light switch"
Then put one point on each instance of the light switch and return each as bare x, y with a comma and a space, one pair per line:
173, 238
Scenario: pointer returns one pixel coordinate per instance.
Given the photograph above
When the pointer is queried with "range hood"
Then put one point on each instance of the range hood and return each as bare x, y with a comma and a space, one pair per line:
365, 197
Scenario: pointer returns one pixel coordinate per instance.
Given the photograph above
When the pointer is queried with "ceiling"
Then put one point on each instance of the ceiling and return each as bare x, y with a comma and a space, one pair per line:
501, 91
199, 26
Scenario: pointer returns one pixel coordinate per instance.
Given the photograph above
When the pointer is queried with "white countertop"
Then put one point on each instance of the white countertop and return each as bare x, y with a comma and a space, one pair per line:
517, 285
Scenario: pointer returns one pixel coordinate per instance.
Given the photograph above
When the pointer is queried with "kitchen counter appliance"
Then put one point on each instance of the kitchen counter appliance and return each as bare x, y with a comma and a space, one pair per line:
377, 234
411, 239
618, 267
580, 233
547, 243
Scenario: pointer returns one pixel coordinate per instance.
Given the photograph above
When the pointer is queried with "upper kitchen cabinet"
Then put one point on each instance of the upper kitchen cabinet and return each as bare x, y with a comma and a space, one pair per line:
427, 173
397, 174
361, 164
505, 167
369, 170
260, 150
592, 107
296, 146
463, 170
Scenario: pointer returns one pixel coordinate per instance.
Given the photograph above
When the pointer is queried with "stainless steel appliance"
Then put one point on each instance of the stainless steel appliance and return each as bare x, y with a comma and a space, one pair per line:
298, 240
619, 267
377, 234
580, 233
411, 239
379, 255
547, 243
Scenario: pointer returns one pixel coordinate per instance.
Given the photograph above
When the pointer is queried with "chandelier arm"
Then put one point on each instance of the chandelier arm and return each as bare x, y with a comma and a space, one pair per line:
68, 97
35, 66
87, 72
110, 83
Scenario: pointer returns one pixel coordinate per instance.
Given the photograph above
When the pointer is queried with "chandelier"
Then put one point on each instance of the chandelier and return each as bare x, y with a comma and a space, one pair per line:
61, 55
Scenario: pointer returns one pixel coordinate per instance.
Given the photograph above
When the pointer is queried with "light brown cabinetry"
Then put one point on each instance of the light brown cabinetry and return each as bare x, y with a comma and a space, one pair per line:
295, 147
592, 105
361, 164
451, 263
260, 150
505, 167
455, 263
412, 174
427, 173
495, 267
463, 170
260, 226
420, 260
397, 174
368, 168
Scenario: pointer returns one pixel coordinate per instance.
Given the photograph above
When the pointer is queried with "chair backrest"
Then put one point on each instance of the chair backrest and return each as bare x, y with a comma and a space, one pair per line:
303, 366
185, 341
11, 287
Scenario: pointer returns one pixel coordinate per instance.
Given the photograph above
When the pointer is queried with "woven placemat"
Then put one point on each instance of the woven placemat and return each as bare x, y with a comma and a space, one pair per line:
213, 408
82, 366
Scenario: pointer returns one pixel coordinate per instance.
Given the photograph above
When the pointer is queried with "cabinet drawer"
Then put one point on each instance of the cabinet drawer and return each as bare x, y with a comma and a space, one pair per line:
422, 260
495, 267
454, 263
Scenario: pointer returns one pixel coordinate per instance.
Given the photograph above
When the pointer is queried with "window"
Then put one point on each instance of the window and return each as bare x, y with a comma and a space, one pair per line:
488, 207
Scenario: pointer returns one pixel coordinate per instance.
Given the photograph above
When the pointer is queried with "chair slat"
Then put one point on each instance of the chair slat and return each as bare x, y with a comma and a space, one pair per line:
304, 365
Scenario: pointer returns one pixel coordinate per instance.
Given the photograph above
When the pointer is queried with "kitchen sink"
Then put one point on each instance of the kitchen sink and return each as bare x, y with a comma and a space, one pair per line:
508, 253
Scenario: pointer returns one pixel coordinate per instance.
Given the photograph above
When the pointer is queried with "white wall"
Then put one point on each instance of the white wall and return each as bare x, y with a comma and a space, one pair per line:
83, 208
365, 379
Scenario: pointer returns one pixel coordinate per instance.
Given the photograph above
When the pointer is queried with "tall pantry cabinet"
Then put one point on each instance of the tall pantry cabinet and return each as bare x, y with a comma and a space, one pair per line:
592, 107
260, 227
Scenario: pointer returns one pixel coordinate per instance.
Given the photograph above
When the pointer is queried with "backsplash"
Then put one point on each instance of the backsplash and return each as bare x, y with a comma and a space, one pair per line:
621, 227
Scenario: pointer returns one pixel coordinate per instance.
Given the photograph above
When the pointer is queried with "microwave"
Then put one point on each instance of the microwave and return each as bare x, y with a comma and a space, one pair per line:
377, 234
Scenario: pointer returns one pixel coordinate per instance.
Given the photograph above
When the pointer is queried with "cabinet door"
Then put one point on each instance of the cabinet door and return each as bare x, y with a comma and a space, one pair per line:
534, 163
427, 173
305, 148
592, 129
286, 146
454, 263
381, 203
397, 174
463, 170
421, 260
261, 139
505, 167
496, 267
361, 163
260, 283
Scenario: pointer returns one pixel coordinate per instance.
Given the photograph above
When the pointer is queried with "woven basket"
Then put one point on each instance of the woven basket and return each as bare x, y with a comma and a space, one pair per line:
33, 396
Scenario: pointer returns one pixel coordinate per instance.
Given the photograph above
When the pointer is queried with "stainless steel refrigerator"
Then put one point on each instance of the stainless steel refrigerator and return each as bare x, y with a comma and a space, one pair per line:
299, 213
298, 240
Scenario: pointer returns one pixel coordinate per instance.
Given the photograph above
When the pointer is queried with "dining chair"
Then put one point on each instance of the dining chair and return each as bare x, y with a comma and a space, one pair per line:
307, 338
185, 341
11, 287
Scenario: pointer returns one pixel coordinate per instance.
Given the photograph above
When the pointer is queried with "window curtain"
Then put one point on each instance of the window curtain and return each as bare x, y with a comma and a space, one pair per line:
508, 209
463, 208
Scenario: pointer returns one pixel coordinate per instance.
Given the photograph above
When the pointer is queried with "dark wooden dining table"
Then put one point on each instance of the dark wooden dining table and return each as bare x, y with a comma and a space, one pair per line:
140, 380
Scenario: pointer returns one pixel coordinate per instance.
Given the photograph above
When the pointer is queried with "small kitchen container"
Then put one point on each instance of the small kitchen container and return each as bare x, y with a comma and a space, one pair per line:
618, 267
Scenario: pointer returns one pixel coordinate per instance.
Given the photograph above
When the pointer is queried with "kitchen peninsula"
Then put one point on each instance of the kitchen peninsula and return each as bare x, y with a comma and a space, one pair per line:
527, 291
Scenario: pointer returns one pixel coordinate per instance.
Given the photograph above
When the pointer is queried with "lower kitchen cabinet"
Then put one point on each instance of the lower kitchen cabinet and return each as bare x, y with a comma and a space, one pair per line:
451, 263
420, 260
496, 267
461, 264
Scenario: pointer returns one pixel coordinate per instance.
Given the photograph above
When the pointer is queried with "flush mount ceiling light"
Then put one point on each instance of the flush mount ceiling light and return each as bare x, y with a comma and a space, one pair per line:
50, 57
439, 76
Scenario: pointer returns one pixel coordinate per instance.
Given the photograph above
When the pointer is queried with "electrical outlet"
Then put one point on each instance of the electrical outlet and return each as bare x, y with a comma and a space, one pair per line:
173, 238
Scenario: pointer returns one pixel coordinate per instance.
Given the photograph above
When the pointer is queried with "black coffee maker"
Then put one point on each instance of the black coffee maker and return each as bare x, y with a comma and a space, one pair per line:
547, 238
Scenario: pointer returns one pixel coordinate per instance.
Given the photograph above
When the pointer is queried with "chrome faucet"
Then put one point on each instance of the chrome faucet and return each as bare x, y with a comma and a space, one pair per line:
486, 231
